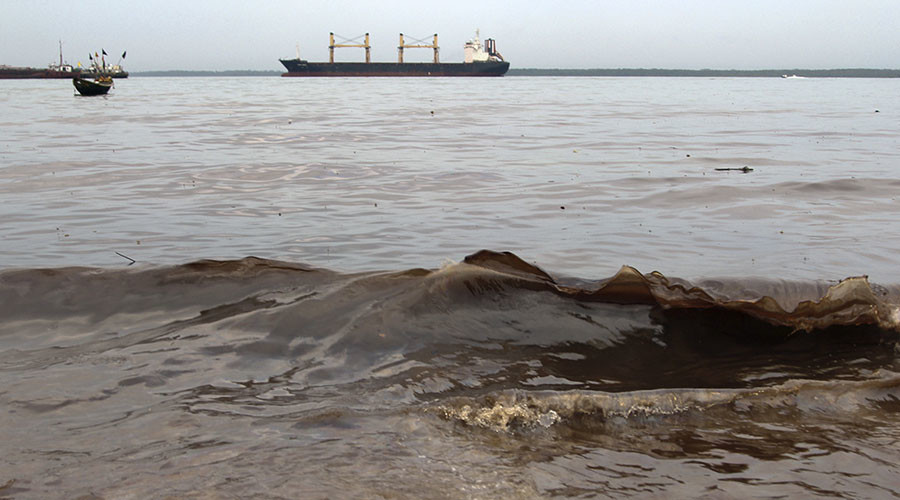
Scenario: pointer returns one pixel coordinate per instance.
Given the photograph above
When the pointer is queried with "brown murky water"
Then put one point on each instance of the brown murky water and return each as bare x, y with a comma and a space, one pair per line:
361, 356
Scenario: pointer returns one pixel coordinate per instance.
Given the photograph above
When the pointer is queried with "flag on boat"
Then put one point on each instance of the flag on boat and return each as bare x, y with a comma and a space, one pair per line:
123, 54
104, 52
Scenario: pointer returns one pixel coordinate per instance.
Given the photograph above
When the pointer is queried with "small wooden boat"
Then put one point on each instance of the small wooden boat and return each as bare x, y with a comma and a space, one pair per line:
99, 86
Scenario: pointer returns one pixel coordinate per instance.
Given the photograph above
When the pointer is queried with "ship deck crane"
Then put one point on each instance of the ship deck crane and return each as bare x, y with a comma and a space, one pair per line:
418, 44
348, 43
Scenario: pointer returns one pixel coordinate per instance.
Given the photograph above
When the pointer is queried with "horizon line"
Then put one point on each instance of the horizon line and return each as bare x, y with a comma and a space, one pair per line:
838, 72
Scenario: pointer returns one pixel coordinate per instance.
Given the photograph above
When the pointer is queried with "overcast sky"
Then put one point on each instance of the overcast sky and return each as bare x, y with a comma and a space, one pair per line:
253, 34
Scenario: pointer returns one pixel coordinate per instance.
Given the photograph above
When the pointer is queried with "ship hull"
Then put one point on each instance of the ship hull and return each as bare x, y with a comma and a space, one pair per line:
11, 73
299, 67
113, 74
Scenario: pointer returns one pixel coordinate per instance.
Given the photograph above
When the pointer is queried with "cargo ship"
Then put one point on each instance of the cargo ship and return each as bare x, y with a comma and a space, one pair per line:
480, 60
54, 70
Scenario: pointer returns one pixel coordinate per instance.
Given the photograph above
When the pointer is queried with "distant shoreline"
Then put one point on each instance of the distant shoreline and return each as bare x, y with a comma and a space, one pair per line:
616, 72
761, 73
176, 72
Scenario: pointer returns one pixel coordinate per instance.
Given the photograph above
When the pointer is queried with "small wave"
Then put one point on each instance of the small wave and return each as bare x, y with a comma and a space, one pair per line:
490, 295
517, 410
802, 306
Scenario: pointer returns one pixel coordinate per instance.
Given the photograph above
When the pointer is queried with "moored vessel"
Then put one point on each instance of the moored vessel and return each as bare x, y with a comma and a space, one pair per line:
98, 67
101, 67
113, 70
53, 70
480, 60
17, 72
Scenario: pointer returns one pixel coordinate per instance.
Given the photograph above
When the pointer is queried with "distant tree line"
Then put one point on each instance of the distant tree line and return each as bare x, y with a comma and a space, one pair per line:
171, 73
767, 73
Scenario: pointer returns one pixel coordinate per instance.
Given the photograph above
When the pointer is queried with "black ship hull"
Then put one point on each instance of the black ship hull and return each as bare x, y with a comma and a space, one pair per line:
113, 74
13, 73
300, 67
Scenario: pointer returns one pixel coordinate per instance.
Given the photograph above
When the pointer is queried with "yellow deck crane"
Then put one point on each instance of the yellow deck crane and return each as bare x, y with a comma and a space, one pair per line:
348, 43
418, 44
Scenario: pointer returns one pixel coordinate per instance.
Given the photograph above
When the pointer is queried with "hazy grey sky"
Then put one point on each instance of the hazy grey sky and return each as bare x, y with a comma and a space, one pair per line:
253, 34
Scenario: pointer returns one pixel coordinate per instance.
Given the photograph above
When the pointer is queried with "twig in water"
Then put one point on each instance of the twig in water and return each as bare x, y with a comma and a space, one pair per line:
126, 257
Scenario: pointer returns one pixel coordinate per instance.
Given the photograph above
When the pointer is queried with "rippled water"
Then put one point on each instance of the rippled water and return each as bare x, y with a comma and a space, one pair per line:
391, 173
363, 354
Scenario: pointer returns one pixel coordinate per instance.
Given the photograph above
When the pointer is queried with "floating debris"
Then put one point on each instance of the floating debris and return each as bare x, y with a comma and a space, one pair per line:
743, 169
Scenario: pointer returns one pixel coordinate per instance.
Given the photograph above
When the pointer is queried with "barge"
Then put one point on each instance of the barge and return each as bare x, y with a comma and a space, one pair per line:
53, 70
